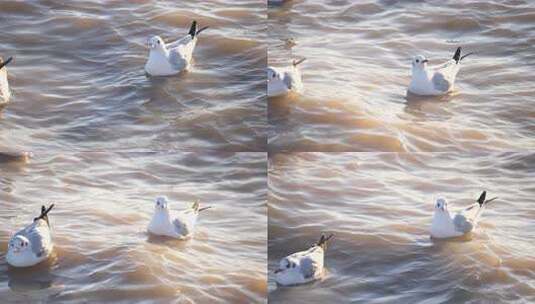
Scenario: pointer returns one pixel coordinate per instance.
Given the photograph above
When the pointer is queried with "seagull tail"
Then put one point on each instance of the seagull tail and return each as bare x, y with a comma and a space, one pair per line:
44, 213
205, 208
3, 64
193, 29
457, 56
323, 240
299, 61
195, 206
202, 29
482, 199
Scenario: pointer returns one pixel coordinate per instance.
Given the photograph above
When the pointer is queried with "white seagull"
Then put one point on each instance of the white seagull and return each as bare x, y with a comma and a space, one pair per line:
33, 244
281, 81
180, 225
304, 266
5, 93
173, 58
437, 81
464, 221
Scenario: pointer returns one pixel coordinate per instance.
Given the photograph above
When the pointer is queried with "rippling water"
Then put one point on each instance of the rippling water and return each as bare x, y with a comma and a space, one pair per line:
78, 79
102, 251
379, 207
358, 68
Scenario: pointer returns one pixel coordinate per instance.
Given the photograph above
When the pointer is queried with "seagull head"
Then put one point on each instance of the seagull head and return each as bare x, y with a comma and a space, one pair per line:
19, 244
272, 74
441, 205
419, 61
286, 266
161, 203
156, 43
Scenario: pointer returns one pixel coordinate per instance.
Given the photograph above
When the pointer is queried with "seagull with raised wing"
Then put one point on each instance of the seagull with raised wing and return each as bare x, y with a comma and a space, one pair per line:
304, 266
283, 80
180, 225
172, 58
5, 92
445, 225
32, 244
434, 81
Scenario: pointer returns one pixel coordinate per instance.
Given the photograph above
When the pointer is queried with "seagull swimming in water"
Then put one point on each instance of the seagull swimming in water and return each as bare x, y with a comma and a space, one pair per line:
33, 244
445, 225
304, 266
180, 225
5, 93
281, 81
173, 58
437, 81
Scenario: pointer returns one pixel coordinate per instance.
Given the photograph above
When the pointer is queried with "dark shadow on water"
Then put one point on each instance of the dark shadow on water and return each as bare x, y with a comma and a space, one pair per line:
428, 107
169, 241
459, 239
32, 278
15, 157
280, 3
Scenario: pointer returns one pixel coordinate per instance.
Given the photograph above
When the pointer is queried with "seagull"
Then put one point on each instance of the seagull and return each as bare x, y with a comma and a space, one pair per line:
464, 221
180, 225
436, 81
281, 81
304, 266
33, 244
5, 93
173, 58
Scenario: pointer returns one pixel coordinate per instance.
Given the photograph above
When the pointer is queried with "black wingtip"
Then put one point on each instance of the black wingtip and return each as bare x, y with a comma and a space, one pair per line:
202, 29
3, 64
193, 29
323, 240
457, 55
44, 213
481, 199
298, 62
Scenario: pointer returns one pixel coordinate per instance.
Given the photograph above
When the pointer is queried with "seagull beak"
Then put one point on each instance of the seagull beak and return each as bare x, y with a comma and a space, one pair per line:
425, 61
277, 270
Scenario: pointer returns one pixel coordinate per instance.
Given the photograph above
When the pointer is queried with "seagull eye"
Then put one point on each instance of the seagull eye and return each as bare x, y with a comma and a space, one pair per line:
417, 60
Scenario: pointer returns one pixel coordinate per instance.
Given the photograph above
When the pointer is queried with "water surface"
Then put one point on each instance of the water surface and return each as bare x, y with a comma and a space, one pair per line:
103, 204
78, 80
358, 69
379, 206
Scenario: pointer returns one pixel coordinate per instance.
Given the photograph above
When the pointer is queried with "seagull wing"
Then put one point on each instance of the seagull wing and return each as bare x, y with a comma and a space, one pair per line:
462, 223
444, 76
38, 234
182, 41
466, 219
309, 267
177, 59
181, 52
180, 227
288, 80
441, 82
185, 222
